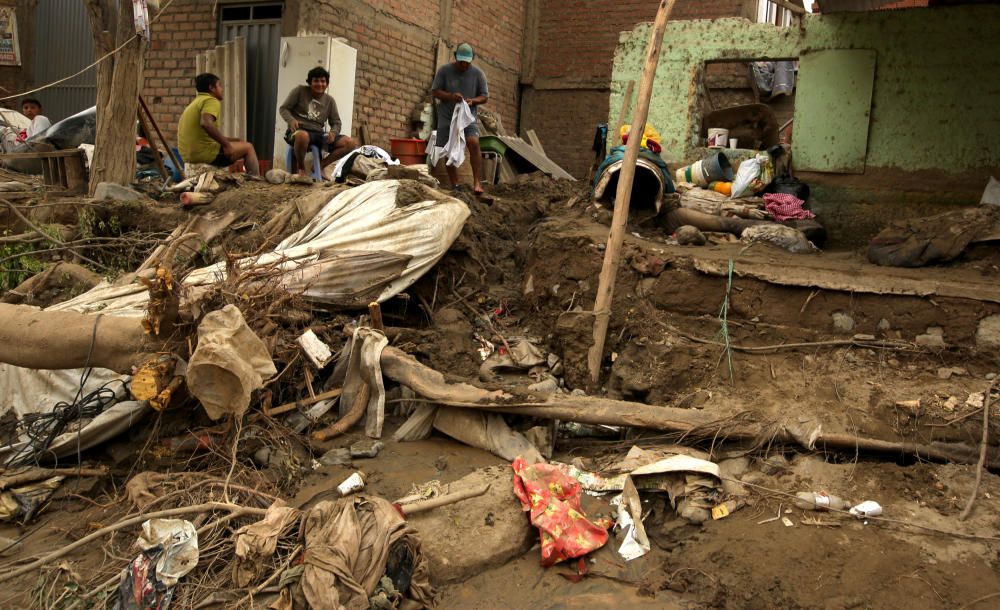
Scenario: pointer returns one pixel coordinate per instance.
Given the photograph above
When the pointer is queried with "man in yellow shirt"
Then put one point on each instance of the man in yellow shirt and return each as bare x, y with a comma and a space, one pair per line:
198, 136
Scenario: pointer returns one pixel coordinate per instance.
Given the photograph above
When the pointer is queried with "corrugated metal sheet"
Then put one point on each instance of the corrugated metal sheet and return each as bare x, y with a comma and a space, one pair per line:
63, 45
228, 62
263, 45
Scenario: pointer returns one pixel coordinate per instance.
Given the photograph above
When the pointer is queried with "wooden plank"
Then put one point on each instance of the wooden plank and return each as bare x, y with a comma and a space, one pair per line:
146, 129
71, 152
528, 153
529, 44
615, 138
535, 142
849, 280
619, 222
166, 145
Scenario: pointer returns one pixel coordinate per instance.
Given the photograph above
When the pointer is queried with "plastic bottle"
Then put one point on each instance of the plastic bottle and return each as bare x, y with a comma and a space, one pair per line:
810, 500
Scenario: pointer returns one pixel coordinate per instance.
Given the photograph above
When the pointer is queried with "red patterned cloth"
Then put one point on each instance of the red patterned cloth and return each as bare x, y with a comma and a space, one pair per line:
782, 206
553, 499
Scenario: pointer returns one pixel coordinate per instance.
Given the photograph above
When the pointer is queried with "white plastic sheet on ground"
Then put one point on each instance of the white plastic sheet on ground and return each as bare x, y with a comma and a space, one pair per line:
342, 256
363, 245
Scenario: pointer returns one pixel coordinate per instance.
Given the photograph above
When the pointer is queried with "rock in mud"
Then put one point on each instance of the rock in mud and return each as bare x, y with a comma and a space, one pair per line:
933, 341
734, 469
843, 322
472, 536
366, 448
336, 457
116, 192
988, 333
690, 236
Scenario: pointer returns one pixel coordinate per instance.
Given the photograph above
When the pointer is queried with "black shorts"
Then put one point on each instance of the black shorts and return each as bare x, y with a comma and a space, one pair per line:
221, 160
316, 138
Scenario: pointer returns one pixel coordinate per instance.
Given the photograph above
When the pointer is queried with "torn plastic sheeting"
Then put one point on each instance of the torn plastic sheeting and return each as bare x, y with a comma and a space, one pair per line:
552, 500
21, 503
351, 279
486, 431
635, 544
363, 367
364, 219
169, 551
228, 364
179, 541
257, 542
367, 218
348, 545
27, 391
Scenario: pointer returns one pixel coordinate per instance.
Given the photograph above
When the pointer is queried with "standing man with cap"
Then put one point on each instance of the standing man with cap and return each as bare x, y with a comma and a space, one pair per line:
454, 83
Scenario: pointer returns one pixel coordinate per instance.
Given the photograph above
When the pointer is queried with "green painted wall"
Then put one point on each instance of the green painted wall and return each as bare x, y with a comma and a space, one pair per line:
936, 99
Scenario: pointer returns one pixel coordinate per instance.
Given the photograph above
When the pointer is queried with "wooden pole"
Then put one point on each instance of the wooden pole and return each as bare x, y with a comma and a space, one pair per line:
166, 145
626, 102
619, 222
152, 143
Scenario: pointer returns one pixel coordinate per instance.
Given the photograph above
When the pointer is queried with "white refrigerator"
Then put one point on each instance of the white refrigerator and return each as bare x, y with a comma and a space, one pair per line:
298, 55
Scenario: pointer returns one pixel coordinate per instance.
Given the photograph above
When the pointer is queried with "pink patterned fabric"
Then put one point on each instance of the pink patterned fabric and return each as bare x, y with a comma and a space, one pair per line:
782, 206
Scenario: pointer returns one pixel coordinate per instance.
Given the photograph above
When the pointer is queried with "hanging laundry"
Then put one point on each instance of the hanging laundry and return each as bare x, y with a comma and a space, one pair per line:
454, 149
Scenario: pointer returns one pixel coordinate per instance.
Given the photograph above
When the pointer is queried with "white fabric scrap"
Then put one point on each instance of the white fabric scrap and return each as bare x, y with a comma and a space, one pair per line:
454, 150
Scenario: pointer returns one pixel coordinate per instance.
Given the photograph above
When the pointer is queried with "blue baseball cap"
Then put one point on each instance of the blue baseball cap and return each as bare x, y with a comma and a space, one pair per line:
464, 52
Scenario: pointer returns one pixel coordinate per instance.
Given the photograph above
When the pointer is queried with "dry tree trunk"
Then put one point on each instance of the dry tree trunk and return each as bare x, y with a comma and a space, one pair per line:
62, 340
119, 80
695, 426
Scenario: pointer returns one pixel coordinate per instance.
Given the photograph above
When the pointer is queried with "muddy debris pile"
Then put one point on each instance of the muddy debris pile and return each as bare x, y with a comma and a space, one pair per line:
377, 394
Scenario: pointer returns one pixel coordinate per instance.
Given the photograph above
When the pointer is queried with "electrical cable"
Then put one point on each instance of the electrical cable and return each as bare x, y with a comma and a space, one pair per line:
41, 429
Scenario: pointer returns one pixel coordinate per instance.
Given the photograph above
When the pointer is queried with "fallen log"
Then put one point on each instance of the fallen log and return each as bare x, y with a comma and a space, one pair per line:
36, 339
693, 425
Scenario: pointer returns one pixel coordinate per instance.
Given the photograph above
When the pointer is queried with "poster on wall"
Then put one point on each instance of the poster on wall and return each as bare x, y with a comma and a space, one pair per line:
10, 51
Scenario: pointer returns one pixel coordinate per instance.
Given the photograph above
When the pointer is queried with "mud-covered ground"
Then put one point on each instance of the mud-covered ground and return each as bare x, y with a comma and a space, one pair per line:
528, 262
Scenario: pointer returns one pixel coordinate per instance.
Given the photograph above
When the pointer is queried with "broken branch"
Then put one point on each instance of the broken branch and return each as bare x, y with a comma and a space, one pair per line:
427, 382
982, 452
31, 475
173, 512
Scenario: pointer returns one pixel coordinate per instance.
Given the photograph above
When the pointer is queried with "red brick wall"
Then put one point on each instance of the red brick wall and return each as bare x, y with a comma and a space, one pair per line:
575, 52
396, 42
397, 47
184, 30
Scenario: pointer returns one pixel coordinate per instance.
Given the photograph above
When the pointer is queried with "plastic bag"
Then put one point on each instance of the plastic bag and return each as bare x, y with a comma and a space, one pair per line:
748, 171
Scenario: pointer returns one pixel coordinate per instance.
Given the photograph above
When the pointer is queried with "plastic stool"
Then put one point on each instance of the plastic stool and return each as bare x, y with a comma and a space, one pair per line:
317, 173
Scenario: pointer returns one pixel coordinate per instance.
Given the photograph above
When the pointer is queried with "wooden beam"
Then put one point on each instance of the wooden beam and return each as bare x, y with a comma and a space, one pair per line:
166, 145
535, 142
146, 129
615, 138
619, 222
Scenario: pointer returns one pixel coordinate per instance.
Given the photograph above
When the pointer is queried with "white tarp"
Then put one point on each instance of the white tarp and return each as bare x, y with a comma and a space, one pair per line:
355, 226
